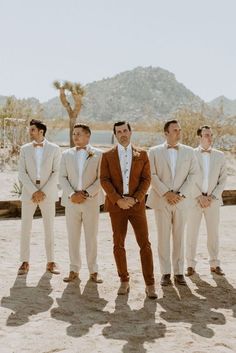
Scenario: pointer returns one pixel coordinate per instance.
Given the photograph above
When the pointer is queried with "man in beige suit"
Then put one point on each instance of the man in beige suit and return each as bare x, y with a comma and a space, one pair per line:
79, 179
173, 169
207, 189
38, 174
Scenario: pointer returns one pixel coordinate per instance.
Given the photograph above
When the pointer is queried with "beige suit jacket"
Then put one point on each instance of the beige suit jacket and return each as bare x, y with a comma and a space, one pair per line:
217, 174
69, 174
162, 181
49, 171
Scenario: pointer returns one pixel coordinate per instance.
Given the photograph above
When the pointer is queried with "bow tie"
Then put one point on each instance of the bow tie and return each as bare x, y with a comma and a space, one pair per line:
80, 148
206, 151
176, 147
38, 144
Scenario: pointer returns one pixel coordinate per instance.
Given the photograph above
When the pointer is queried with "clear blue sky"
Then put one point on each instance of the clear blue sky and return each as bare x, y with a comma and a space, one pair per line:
92, 39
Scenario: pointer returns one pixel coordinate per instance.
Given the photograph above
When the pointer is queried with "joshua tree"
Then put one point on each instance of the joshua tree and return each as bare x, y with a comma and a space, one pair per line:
77, 92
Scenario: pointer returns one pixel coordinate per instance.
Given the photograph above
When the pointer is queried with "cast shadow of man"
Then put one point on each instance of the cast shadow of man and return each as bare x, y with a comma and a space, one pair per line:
80, 310
223, 296
134, 326
27, 301
181, 305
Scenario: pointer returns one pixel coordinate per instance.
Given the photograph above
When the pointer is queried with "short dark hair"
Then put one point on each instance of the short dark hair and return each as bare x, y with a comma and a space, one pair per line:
199, 130
119, 123
39, 124
85, 127
168, 123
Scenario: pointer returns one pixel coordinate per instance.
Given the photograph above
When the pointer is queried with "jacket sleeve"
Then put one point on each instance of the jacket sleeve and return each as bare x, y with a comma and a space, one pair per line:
106, 181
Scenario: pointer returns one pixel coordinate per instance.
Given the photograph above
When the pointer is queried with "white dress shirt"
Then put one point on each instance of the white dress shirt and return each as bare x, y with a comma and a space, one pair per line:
173, 154
82, 155
38, 158
206, 168
125, 157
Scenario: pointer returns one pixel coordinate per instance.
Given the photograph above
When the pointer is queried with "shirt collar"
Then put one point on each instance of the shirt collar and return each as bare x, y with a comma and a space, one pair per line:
123, 149
204, 149
43, 142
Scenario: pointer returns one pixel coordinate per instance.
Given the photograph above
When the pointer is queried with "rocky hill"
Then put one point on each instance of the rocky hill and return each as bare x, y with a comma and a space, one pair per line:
141, 94
227, 106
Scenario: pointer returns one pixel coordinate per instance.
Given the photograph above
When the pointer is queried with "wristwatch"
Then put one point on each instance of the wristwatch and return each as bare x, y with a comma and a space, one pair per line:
86, 193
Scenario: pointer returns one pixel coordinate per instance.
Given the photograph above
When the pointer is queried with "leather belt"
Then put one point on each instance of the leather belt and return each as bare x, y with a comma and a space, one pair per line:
37, 181
204, 193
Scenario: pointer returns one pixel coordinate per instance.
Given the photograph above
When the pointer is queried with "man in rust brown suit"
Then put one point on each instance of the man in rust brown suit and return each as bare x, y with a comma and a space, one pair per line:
125, 177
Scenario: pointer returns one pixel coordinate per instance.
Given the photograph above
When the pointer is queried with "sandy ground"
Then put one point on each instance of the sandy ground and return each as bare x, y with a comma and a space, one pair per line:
41, 314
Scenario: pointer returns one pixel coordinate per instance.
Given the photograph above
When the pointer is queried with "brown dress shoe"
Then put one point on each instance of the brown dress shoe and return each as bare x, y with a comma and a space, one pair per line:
179, 279
190, 271
124, 288
23, 269
165, 280
73, 276
217, 270
151, 292
94, 277
52, 267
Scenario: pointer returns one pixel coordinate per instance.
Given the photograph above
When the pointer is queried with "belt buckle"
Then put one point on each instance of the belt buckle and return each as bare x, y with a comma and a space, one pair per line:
37, 182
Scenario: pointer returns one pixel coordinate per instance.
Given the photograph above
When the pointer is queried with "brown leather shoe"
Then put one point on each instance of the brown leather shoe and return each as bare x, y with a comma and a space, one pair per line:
23, 269
94, 277
73, 276
179, 279
217, 270
165, 280
52, 267
124, 288
151, 292
190, 271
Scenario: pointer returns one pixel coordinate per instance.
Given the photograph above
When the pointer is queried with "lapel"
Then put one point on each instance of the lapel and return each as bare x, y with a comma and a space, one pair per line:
116, 160
180, 154
74, 160
90, 150
32, 154
46, 150
133, 160
199, 157
211, 166
166, 156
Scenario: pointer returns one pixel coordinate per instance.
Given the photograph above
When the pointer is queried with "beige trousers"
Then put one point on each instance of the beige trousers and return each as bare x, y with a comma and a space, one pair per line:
85, 214
27, 212
211, 215
171, 221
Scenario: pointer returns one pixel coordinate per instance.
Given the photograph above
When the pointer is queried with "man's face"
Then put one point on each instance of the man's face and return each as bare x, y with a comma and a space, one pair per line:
80, 137
123, 134
173, 134
35, 133
207, 137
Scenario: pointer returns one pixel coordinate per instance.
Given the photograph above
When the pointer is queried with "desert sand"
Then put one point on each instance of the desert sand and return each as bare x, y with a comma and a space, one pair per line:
41, 314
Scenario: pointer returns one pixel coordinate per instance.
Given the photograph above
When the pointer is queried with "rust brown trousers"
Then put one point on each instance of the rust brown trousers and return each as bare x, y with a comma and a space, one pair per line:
112, 183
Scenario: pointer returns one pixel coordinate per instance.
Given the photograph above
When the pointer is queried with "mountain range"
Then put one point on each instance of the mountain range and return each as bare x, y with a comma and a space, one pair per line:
141, 94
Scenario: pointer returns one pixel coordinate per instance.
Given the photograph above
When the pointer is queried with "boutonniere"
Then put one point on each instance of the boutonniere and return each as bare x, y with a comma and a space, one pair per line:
136, 155
90, 154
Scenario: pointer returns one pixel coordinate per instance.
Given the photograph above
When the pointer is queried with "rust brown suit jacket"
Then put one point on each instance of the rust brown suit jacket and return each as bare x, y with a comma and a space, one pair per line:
112, 183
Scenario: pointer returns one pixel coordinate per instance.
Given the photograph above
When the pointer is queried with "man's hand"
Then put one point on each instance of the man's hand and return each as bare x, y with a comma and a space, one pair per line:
78, 197
172, 198
204, 201
38, 196
131, 200
124, 204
